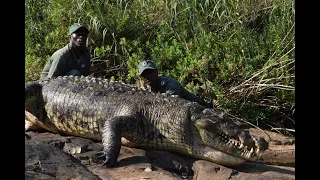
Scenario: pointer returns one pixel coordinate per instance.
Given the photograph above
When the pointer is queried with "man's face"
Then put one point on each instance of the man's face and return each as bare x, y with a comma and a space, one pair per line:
149, 76
79, 38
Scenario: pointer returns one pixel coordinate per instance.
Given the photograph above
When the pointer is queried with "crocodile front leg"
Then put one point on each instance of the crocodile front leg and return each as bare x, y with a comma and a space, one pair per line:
111, 138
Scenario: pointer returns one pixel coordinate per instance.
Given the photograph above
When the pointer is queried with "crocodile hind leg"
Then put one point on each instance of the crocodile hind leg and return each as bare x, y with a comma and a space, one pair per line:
111, 138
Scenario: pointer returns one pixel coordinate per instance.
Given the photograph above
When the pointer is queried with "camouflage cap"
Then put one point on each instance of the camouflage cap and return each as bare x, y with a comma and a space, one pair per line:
77, 26
148, 64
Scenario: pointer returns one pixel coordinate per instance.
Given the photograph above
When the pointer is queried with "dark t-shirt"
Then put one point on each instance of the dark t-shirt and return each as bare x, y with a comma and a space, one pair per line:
171, 86
63, 61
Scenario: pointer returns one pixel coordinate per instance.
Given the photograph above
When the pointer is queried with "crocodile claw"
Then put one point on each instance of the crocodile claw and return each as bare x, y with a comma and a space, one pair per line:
108, 161
100, 155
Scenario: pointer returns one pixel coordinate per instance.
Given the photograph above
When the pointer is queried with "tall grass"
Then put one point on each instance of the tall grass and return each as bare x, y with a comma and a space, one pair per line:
237, 53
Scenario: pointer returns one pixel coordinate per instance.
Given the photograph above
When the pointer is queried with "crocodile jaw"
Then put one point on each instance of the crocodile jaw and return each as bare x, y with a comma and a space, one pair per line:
219, 142
220, 131
219, 157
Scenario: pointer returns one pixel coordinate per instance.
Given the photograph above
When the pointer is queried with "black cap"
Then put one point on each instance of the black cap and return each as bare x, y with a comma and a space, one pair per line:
148, 64
77, 26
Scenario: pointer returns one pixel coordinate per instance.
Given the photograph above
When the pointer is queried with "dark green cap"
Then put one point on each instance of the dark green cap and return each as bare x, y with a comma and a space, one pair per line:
77, 26
148, 64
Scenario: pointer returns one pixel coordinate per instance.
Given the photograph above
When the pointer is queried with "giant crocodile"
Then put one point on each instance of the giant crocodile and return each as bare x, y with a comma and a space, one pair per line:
117, 113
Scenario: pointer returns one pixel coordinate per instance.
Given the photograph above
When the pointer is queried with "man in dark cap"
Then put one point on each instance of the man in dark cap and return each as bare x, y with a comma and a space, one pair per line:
148, 74
72, 59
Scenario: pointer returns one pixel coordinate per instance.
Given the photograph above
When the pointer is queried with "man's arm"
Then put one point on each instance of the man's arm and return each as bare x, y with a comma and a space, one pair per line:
88, 63
57, 66
179, 90
192, 97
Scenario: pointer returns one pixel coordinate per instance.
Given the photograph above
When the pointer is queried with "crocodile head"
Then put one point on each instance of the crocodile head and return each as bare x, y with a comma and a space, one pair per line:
221, 134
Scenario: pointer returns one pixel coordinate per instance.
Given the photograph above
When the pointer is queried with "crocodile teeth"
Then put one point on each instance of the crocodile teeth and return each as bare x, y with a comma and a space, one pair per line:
241, 146
248, 155
229, 144
258, 150
251, 151
236, 143
243, 154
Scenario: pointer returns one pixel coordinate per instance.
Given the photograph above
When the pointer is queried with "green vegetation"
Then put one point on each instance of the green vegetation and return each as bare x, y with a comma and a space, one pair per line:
237, 53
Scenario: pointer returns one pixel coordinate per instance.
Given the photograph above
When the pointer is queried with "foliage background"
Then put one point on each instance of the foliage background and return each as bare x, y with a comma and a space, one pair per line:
239, 54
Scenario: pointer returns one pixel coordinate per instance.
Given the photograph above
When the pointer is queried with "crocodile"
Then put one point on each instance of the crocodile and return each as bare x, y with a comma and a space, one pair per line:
116, 114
